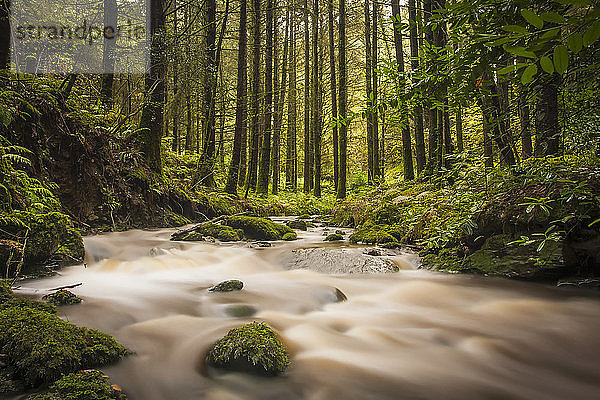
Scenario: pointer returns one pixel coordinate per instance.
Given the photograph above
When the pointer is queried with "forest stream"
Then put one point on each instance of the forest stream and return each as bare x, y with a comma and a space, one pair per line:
410, 334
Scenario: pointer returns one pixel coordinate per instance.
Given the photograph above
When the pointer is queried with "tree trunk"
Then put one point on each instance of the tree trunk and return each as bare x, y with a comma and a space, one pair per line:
488, 153
317, 131
369, 91
265, 157
375, 118
341, 189
432, 161
4, 34
241, 111
333, 87
291, 169
280, 96
418, 108
409, 173
254, 99
151, 121
547, 130
175, 143
307, 142
108, 53
493, 111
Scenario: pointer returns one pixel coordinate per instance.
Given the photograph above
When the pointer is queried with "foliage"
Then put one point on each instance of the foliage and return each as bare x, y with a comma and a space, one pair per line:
253, 348
258, 228
84, 385
62, 298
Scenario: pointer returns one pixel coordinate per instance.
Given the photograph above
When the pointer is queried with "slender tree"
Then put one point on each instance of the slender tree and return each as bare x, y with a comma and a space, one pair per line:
175, 112
151, 121
307, 135
407, 160
333, 86
291, 168
108, 53
241, 111
375, 117
316, 103
547, 130
369, 90
254, 98
418, 107
341, 189
280, 100
265, 157
459, 129
4, 33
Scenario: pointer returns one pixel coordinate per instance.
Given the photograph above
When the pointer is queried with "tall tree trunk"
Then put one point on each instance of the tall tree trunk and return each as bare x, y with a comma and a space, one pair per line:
409, 173
333, 87
265, 157
375, 118
459, 129
307, 141
418, 107
254, 99
488, 153
108, 53
175, 143
4, 34
207, 158
241, 112
432, 161
343, 94
493, 111
280, 96
291, 172
547, 130
369, 90
151, 121
525, 125
317, 131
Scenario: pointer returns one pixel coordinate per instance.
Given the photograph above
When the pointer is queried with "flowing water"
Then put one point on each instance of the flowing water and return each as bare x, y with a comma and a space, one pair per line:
412, 334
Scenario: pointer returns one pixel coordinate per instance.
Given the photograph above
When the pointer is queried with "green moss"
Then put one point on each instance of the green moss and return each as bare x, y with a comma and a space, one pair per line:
23, 302
190, 237
258, 228
372, 234
174, 219
253, 348
6, 292
304, 216
42, 347
333, 237
289, 236
84, 385
63, 298
298, 224
240, 310
222, 232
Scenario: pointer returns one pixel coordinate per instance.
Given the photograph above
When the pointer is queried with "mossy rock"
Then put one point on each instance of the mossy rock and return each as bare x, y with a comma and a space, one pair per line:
6, 292
290, 236
240, 310
189, 237
304, 216
223, 233
334, 237
227, 286
298, 224
63, 298
8, 300
372, 235
42, 347
258, 228
174, 219
253, 348
391, 245
84, 385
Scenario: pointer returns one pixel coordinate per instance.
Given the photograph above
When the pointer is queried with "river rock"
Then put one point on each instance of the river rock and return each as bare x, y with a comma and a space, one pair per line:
297, 224
227, 286
240, 310
253, 348
338, 261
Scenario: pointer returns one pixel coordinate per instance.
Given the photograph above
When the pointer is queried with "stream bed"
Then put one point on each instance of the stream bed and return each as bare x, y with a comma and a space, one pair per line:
402, 333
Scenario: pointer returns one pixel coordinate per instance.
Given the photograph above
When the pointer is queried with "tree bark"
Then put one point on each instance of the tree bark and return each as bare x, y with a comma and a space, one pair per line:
241, 111
418, 107
307, 142
547, 130
409, 173
333, 87
369, 91
108, 53
291, 168
375, 117
280, 101
265, 158
151, 121
341, 189
317, 131
459, 129
254, 99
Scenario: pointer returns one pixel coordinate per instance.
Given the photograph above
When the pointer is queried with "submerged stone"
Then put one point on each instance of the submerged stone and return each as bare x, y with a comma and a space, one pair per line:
227, 286
334, 237
240, 310
298, 224
253, 348
340, 296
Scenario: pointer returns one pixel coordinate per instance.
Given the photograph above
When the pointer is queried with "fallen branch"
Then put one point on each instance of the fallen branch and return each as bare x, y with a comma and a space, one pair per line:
68, 286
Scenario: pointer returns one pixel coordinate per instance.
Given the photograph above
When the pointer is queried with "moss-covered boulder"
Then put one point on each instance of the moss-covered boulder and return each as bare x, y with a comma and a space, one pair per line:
63, 298
223, 233
258, 228
297, 224
289, 236
84, 385
334, 237
253, 348
42, 347
8, 300
240, 310
227, 286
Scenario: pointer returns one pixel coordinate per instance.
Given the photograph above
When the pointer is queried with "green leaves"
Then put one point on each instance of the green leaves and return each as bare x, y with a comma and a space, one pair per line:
528, 74
561, 59
553, 17
575, 42
515, 29
547, 65
519, 51
592, 34
532, 18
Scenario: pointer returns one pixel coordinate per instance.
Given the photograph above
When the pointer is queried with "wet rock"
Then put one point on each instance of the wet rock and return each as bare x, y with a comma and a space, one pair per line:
334, 237
290, 236
580, 284
298, 224
261, 244
372, 252
240, 310
253, 348
340, 296
337, 261
258, 228
227, 286
340, 232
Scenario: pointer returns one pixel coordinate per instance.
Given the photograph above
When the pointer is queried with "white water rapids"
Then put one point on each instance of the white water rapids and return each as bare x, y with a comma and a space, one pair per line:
412, 334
